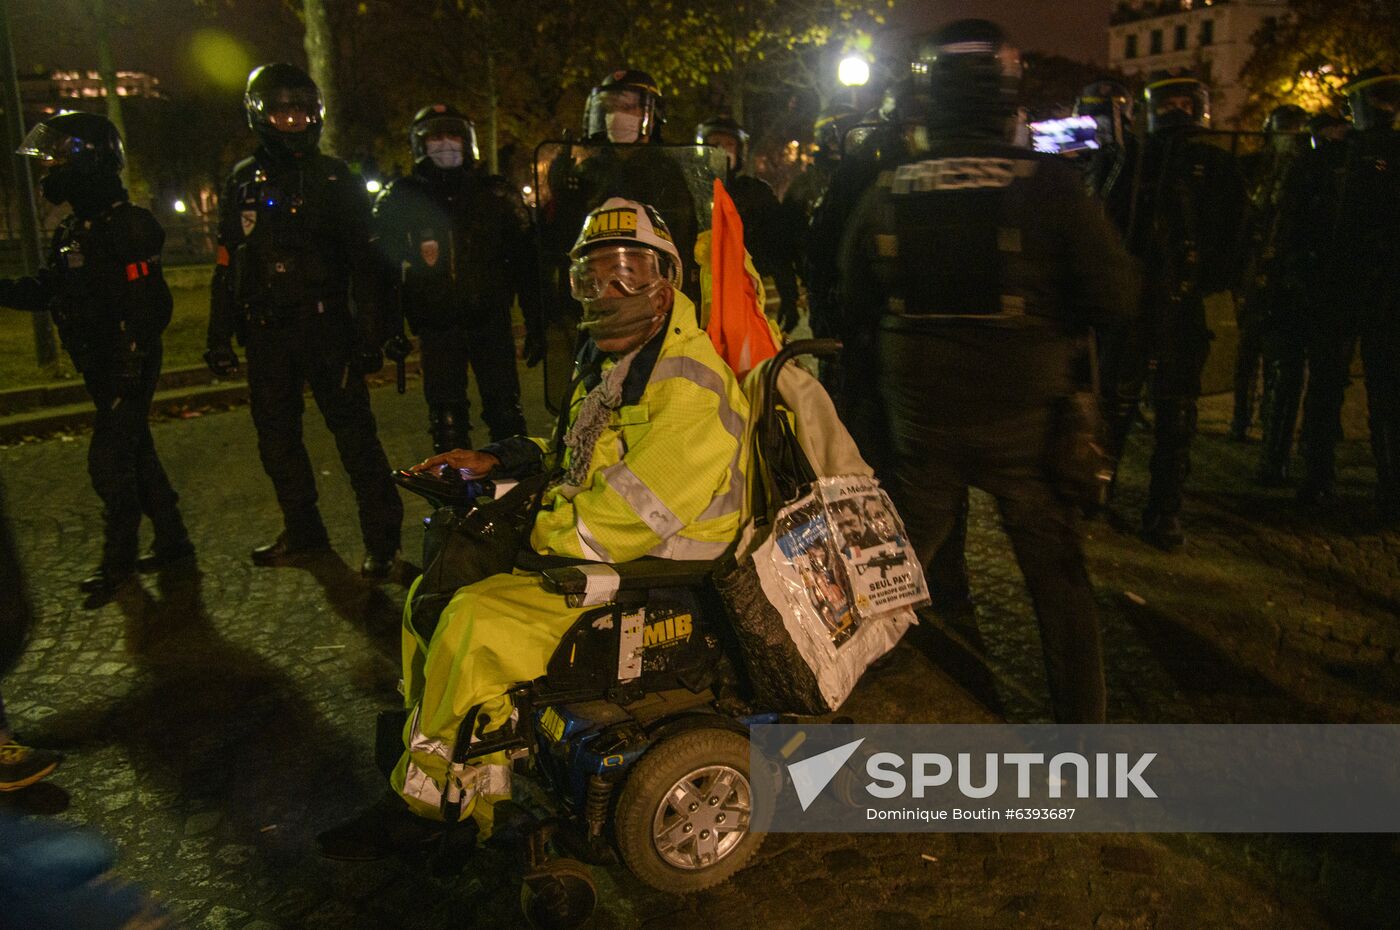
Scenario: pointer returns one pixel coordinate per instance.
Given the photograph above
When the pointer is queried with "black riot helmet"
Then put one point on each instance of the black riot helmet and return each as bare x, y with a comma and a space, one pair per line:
1111, 105
973, 75
1326, 129
1286, 119
78, 150
1373, 97
906, 102
829, 132
725, 126
624, 107
441, 119
284, 108
1177, 103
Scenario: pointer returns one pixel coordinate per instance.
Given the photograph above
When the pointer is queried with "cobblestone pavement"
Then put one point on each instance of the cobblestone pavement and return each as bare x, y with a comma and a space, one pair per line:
216, 720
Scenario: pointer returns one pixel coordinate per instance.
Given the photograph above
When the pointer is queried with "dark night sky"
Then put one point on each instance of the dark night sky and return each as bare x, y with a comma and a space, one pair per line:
51, 33
1074, 28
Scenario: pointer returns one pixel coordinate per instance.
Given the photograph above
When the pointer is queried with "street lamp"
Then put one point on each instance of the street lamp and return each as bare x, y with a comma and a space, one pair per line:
853, 71
180, 206
373, 186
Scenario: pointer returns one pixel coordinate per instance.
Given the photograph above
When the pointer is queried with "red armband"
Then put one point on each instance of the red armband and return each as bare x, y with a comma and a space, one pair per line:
137, 270
222, 257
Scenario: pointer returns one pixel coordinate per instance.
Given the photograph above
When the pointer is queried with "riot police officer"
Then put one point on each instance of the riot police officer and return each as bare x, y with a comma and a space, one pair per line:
1369, 220
102, 282
1255, 310
1110, 170
770, 240
980, 263
1275, 299
1317, 254
1184, 221
459, 249
294, 230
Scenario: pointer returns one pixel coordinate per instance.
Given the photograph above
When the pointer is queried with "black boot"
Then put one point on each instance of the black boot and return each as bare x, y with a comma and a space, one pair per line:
381, 831
284, 549
1174, 425
105, 582
1278, 415
450, 427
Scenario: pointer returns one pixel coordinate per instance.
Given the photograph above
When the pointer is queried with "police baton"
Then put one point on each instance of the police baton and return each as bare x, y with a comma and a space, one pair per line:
400, 376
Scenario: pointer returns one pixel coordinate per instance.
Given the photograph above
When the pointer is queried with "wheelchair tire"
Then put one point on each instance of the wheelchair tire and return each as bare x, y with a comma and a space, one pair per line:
682, 820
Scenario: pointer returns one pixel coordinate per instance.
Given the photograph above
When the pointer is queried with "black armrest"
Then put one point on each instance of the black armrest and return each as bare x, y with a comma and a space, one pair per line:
629, 576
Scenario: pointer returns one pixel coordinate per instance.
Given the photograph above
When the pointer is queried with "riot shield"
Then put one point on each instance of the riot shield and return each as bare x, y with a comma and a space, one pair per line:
572, 178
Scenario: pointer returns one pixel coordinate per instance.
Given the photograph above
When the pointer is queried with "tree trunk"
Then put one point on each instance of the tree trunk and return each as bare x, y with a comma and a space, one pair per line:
107, 66
492, 107
320, 57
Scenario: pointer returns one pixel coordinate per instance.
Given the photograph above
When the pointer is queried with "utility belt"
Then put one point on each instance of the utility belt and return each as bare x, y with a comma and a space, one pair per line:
272, 316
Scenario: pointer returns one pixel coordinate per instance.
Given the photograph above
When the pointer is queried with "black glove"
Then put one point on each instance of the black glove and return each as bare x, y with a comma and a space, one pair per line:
222, 360
367, 361
533, 351
397, 348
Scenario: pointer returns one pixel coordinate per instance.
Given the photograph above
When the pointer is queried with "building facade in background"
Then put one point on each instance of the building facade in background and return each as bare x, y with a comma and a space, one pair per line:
1209, 38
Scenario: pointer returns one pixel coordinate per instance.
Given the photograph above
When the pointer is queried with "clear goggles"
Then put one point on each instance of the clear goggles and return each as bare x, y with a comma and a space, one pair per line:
633, 269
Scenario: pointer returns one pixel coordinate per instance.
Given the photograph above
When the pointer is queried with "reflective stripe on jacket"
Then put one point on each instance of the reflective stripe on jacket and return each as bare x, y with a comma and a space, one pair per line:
667, 476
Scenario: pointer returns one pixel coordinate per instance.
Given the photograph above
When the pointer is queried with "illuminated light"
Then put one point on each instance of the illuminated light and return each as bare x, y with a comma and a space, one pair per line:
179, 206
527, 190
220, 57
853, 71
373, 186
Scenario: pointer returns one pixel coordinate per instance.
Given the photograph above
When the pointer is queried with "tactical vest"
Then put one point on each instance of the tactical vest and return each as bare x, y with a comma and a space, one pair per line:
290, 257
950, 225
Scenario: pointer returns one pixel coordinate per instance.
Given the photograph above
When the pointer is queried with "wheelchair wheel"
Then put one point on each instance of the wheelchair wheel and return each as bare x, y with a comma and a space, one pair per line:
682, 820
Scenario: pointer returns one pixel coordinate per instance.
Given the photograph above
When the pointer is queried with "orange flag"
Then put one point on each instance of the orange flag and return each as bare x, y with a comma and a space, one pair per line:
738, 327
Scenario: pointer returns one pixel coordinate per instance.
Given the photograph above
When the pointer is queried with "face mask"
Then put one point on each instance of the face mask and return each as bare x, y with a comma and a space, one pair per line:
445, 153
56, 186
623, 127
619, 317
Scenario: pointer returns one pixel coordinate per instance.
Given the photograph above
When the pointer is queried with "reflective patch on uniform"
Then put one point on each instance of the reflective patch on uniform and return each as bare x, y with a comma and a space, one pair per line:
420, 742
428, 249
419, 785
645, 502
682, 548
1013, 305
588, 543
248, 219
955, 174
886, 246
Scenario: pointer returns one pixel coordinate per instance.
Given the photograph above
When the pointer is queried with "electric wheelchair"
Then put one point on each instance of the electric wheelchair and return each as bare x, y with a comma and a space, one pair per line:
637, 733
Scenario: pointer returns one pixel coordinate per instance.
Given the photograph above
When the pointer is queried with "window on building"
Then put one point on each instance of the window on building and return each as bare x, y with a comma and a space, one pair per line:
1155, 43
1207, 32
1179, 38
1130, 49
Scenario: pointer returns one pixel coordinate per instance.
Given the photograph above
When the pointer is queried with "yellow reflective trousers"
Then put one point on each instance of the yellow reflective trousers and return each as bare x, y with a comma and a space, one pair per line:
492, 635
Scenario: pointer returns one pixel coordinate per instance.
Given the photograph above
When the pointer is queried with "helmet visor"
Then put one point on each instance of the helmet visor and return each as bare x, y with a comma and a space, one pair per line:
631, 270
287, 109
49, 145
622, 114
444, 126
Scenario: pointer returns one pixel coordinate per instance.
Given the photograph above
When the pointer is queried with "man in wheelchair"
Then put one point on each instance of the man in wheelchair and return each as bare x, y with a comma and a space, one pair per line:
651, 463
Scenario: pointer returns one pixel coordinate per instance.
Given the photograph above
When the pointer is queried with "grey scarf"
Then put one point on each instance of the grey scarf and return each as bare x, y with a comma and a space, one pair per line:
593, 416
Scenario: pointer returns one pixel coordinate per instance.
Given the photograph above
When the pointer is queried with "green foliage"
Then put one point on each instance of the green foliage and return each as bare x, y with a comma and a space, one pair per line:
1306, 57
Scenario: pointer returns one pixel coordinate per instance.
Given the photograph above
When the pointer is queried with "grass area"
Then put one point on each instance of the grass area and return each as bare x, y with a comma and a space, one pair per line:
184, 341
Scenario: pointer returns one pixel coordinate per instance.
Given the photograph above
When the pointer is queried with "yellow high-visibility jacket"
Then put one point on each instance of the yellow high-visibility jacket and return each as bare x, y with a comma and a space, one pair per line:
668, 473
